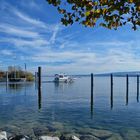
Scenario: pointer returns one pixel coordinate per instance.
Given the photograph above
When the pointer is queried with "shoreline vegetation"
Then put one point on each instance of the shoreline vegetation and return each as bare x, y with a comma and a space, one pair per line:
14, 73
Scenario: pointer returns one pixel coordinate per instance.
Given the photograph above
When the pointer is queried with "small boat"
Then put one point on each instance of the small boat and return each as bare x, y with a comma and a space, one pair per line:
63, 78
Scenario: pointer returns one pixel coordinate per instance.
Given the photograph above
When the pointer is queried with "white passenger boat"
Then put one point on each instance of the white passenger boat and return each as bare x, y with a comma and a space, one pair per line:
62, 78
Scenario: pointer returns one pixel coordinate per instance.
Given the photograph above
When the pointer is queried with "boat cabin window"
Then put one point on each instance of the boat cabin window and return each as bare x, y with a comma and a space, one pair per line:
61, 76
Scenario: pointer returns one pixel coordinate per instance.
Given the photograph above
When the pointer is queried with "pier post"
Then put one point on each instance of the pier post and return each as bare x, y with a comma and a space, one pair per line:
39, 98
7, 80
111, 96
36, 75
36, 80
91, 95
137, 88
39, 87
127, 88
39, 77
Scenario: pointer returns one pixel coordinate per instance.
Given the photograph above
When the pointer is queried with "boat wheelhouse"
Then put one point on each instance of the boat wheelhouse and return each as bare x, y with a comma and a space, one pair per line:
62, 78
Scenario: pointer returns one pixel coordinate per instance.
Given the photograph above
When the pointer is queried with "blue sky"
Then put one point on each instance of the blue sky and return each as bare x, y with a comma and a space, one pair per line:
31, 33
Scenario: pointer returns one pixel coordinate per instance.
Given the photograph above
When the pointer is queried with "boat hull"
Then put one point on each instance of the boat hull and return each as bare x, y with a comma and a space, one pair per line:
59, 80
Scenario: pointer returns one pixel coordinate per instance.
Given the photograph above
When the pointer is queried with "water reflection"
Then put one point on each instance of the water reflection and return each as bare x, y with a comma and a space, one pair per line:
127, 97
127, 89
6, 86
36, 85
61, 86
77, 100
56, 84
64, 88
16, 86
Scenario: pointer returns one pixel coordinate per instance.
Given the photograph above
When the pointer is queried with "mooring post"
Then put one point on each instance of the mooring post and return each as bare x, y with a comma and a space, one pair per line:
127, 88
7, 80
36, 80
7, 77
92, 88
39, 98
36, 75
137, 88
39, 77
111, 96
91, 95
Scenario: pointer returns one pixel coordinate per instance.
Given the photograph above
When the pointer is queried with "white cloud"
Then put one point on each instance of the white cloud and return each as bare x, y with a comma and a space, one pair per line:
30, 20
31, 4
113, 43
54, 35
22, 43
85, 62
30, 35
6, 52
34, 21
16, 31
12, 10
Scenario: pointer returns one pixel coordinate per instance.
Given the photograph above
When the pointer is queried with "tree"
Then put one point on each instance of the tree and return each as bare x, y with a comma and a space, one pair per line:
29, 76
1, 74
106, 13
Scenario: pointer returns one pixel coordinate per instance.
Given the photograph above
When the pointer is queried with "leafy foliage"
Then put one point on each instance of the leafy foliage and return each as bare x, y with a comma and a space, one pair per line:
106, 13
29, 76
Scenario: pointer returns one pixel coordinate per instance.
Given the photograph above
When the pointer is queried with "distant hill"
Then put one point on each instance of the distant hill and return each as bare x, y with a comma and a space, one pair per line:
73, 75
121, 74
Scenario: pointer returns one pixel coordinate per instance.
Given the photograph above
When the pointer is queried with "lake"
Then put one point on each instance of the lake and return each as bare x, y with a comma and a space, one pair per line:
66, 108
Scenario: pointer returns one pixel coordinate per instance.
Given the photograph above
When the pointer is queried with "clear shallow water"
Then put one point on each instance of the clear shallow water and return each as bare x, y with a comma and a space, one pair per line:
66, 108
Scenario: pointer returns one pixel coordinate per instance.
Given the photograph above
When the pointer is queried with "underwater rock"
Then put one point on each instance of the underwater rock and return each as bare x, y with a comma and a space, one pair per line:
99, 133
74, 138
48, 138
62, 137
27, 132
20, 137
51, 129
3, 135
104, 134
40, 131
58, 125
11, 129
131, 134
69, 137
115, 137
88, 137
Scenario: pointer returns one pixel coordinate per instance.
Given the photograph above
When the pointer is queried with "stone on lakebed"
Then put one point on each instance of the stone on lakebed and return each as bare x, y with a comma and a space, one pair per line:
3, 135
88, 137
20, 137
48, 138
115, 137
103, 134
74, 138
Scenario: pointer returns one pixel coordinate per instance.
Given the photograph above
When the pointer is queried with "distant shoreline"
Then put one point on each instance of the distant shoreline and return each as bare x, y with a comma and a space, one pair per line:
116, 74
